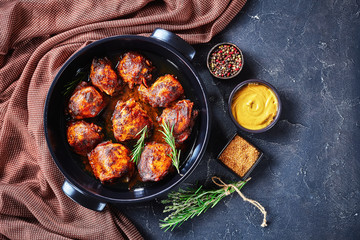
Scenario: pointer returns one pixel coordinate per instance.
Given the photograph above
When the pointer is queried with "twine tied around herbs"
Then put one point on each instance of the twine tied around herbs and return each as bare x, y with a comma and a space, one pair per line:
226, 187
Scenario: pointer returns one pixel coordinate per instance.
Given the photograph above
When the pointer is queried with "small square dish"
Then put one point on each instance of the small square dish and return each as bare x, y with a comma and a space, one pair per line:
240, 156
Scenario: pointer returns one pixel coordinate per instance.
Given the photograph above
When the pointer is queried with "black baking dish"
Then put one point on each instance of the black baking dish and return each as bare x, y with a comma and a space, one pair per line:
83, 187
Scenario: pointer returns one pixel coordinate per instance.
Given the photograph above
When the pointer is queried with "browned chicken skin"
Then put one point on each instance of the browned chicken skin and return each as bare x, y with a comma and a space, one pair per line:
110, 161
135, 69
83, 136
104, 77
129, 119
182, 117
165, 90
86, 102
155, 162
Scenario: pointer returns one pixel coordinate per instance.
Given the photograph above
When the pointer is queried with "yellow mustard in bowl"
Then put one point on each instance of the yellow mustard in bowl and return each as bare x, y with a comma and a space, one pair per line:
254, 106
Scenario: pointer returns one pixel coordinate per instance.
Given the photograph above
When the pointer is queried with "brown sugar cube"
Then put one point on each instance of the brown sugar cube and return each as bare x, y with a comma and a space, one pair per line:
239, 156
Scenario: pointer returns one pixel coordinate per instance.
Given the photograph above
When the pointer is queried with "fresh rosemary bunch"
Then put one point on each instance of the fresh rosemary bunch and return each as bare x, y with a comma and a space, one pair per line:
81, 75
186, 204
169, 139
139, 146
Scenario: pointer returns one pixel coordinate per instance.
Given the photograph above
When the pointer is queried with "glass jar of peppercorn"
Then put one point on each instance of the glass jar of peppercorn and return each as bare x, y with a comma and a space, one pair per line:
225, 60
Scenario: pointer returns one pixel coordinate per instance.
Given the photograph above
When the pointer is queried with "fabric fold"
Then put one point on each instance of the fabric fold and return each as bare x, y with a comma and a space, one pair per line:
36, 39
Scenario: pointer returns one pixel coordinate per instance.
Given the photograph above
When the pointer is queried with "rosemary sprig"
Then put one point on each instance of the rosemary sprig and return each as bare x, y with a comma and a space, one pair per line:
170, 139
139, 146
186, 204
81, 75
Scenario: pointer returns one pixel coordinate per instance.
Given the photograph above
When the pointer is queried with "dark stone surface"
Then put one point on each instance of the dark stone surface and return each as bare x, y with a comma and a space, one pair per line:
310, 182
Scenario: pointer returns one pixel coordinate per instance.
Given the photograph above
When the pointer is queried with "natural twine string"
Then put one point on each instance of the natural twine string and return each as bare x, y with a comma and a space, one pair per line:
226, 187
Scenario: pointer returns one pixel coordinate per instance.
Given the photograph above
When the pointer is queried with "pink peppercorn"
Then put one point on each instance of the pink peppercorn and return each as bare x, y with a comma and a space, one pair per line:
225, 60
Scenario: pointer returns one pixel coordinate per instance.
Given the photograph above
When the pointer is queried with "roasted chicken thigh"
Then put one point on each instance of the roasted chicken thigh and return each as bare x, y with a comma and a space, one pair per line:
83, 136
181, 117
165, 90
155, 162
110, 161
86, 102
104, 77
124, 99
135, 69
129, 119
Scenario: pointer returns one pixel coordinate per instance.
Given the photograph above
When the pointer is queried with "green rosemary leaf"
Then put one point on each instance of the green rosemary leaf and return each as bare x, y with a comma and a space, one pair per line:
170, 139
81, 75
139, 146
186, 204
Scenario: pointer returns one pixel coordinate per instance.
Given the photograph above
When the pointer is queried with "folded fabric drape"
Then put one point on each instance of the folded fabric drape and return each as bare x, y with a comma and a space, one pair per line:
36, 38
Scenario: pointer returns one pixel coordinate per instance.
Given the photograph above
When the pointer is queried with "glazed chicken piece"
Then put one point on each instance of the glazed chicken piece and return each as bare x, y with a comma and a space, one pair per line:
86, 102
182, 117
129, 119
104, 77
155, 162
135, 69
165, 90
83, 136
111, 161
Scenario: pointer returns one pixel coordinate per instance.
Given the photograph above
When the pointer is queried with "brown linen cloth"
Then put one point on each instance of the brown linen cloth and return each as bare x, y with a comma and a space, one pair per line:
36, 38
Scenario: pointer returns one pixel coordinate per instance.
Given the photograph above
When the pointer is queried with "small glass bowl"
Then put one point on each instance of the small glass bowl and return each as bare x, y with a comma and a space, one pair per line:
260, 82
217, 60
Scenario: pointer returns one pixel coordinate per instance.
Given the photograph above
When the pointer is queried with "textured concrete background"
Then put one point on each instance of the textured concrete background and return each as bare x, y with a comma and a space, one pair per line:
310, 182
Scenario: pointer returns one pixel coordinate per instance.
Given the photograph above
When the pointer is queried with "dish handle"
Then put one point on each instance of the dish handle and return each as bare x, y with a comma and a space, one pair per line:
82, 198
175, 41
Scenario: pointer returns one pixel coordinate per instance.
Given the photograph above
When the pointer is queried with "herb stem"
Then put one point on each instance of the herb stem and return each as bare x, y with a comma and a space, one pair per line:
186, 204
69, 87
139, 146
170, 139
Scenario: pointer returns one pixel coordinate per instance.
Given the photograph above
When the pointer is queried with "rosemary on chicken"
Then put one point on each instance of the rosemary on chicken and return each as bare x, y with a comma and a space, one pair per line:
139, 146
81, 75
170, 139
186, 204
